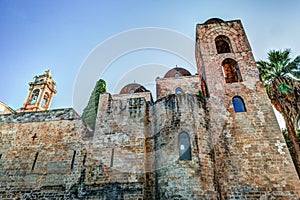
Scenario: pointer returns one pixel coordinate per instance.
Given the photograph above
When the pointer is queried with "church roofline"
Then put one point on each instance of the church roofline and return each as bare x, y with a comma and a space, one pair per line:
40, 116
180, 77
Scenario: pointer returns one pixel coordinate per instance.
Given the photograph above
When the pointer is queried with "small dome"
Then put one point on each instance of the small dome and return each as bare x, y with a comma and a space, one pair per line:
176, 72
213, 21
132, 88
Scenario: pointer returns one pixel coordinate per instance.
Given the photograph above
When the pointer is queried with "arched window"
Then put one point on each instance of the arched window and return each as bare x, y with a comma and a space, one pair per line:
45, 100
223, 44
131, 91
231, 71
178, 90
184, 147
34, 96
238, 104
176, 75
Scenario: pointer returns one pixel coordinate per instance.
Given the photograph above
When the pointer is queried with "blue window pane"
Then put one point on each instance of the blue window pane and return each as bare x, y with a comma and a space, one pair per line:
184, 147
238, 104
178, 91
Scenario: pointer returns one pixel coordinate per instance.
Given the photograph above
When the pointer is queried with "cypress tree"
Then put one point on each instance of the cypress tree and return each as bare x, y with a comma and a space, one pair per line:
90, 111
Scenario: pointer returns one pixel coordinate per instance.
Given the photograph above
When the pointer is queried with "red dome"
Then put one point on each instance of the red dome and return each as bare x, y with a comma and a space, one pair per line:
213, 21
132, 88
176, 72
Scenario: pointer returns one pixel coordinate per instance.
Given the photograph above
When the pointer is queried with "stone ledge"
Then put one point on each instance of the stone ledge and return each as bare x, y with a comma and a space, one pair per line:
39, 116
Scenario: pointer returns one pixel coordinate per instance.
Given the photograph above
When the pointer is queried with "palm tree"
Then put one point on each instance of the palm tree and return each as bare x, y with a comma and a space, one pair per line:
280, 75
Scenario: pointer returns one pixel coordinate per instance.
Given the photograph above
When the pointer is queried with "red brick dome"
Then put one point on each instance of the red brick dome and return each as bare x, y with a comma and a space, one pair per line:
133, 88
213, 21
177, 72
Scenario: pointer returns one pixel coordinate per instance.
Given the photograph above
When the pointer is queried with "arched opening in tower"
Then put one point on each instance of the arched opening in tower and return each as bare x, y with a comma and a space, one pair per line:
231, 71
34, 96
223, 44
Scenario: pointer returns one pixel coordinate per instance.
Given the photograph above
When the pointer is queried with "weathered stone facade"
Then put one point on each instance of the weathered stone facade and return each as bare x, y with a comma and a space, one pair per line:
250, 154
183, 146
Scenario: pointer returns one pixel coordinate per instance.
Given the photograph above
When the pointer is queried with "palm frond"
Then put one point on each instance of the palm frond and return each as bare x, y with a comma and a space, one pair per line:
279, 64
285, 88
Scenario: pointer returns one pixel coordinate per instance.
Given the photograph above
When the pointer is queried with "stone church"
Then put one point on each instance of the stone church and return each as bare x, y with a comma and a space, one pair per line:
213, 135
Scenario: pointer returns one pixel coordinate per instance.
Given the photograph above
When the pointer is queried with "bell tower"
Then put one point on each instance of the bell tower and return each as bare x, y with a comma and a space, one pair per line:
245, 136
41, 92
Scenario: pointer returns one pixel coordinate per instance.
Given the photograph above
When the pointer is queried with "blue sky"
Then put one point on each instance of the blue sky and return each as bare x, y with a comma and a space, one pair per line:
60, 35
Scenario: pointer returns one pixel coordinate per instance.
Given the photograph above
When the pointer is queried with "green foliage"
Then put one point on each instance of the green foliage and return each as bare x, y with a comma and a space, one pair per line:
284, 88
280, 74
279, 64
90, 111
202, 97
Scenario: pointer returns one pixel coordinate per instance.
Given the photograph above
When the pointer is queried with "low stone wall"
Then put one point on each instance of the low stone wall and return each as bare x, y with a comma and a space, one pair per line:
40, 116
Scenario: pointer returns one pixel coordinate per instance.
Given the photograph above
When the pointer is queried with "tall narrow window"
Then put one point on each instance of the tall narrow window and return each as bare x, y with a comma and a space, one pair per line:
33, 165
73, 160
231, 71
223, 44
238, 104
112, 157
45, 100
184, 147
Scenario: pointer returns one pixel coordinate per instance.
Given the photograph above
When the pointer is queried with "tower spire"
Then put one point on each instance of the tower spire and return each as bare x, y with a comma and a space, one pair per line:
40, 94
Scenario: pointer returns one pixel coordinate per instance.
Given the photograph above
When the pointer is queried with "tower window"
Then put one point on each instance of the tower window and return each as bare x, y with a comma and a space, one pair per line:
178, 90
238, 104
223, 44
112, 157
45, 100
34, 96
73, 160
184, 147
231, 71
36, 156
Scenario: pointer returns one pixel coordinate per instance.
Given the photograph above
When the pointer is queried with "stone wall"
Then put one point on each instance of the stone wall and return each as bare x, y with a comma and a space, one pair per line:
175, 178
251, 158
51, 155
167, 86
38, 158
120, 143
